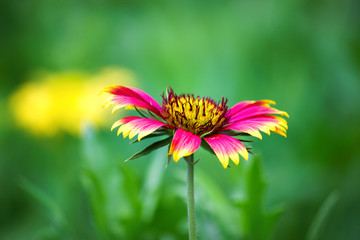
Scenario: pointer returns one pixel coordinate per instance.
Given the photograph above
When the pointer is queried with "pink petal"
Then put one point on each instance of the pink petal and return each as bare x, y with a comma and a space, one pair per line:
252, 126
255, 111
184, 144
244, 104
136, 125
252, 117
226, 147
128, 96
239, 106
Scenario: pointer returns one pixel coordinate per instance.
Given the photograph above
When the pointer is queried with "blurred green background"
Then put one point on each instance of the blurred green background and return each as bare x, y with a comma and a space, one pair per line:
68, 179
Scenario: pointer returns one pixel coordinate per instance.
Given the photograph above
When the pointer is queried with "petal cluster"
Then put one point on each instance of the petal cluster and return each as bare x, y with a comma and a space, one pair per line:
125, 96
193, 121
254, 116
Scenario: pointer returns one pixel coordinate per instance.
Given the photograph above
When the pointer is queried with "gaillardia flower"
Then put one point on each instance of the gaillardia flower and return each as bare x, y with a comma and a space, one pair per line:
191, 122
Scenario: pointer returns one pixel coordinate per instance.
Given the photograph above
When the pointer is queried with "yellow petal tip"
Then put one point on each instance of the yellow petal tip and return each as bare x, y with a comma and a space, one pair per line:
175, 157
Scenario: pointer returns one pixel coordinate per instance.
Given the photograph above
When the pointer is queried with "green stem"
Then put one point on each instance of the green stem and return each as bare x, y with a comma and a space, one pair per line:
190, 197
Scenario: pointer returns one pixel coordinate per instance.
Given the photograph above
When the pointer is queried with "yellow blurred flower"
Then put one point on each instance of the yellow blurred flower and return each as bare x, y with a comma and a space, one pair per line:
64, 102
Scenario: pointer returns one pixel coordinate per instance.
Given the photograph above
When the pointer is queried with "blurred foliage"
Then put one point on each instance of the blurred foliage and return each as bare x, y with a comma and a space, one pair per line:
303, 54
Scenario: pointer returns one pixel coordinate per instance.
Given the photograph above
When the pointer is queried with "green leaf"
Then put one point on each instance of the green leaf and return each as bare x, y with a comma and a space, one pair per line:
131, 185
249, 150
150, 148
151, 189
322, 215
207, 147
234, 133
217, 202
157, 133
140, 112
97, 197
45, 199
256, 222
54, 211
168, 158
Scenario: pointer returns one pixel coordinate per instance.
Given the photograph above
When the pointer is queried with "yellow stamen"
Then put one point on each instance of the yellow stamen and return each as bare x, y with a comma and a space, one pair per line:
197, 115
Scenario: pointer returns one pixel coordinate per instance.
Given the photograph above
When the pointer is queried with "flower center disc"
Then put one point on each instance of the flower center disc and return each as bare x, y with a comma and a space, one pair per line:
196, 115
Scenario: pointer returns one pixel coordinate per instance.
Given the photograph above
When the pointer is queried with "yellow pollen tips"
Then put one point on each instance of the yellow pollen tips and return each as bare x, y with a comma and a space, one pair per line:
194, 114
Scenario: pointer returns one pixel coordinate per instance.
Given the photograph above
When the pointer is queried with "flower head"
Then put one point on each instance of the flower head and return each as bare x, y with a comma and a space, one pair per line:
193, 121
194, 114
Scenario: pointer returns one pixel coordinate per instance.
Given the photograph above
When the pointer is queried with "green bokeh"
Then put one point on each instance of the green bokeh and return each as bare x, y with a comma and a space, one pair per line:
305, 55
